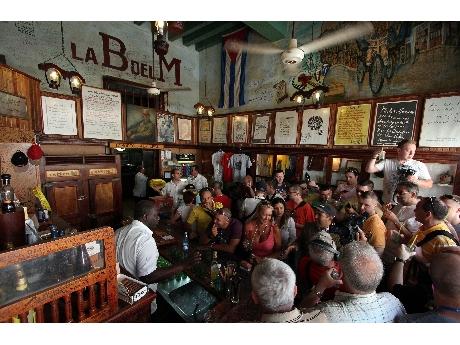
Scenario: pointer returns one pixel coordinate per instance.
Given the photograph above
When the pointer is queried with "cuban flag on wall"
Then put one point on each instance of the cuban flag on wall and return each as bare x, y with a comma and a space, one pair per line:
233, 71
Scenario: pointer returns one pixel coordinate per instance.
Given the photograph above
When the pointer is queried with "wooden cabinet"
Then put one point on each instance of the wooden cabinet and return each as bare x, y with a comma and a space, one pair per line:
84, 190
52, 282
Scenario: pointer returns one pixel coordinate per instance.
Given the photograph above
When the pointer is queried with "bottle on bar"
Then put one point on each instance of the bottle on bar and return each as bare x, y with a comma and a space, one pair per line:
215, 274
185, 245
7, 194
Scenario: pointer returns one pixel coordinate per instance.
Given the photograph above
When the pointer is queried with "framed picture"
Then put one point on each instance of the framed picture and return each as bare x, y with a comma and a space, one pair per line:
336, 164
219, 130
264, 165
184, 128
351, 163
12, 105
165, 126
204, 131
261, 129
140, 124
240, 129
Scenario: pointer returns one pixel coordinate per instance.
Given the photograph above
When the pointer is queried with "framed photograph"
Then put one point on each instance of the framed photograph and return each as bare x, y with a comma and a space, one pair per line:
167, 174
184, 127
165, 126
264, 165
140, 124
351, 163
336, 164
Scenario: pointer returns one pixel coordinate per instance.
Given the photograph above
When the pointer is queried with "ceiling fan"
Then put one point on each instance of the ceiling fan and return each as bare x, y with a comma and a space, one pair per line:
293, 55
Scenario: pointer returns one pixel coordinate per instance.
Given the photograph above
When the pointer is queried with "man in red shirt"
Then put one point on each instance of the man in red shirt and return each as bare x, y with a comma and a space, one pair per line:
218, 196
301, 211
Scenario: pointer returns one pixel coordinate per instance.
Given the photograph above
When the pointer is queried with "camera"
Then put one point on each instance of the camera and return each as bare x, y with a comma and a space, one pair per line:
404, 172
335, 275
353, 224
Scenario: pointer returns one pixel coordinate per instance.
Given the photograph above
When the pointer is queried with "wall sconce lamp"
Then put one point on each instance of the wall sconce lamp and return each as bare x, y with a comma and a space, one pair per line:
54, 74
316, 94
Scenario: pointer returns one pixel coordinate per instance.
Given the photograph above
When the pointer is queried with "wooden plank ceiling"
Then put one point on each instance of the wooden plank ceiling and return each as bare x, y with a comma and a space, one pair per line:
207, 34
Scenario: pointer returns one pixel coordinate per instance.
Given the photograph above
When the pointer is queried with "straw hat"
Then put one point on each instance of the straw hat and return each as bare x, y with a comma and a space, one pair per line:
157, 182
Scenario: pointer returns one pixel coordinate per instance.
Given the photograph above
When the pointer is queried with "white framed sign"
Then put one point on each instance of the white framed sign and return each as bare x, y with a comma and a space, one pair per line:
315, 126
219, 130
441, 122
59, 116
101, 113
286, 127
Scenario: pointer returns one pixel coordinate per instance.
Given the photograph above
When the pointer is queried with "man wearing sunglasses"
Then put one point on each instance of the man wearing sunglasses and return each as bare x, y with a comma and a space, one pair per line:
453, 216
434, 233
402, 168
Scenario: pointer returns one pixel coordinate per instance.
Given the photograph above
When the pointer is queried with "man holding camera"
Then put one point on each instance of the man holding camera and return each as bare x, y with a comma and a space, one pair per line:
404, 168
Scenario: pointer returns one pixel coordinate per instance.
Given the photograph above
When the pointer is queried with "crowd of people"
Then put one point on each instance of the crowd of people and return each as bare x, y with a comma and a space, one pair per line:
319, 253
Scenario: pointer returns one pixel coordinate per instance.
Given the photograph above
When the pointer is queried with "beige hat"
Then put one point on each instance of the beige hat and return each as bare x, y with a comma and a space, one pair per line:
325, 240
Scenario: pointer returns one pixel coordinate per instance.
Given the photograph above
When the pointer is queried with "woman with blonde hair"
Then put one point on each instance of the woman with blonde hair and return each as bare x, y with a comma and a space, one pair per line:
262, 236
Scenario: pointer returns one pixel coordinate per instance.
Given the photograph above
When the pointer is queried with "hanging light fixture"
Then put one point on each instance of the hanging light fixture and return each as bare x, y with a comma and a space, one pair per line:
316, 94
160, 45
161, 27
154, 90
202, 109
54, 74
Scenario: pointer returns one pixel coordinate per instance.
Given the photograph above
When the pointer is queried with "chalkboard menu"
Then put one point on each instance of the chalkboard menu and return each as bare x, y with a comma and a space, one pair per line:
394, 121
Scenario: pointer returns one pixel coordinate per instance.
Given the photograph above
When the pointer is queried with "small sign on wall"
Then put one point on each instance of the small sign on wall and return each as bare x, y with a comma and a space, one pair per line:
11, 105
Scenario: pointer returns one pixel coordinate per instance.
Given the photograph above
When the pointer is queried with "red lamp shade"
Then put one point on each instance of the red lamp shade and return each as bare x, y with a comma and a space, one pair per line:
35, 152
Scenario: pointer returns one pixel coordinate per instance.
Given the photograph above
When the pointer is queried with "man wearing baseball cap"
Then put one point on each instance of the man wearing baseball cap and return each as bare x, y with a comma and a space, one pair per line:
324, 217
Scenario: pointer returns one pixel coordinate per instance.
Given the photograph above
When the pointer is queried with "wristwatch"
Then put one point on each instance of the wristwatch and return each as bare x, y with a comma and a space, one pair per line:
399, 260
317, 293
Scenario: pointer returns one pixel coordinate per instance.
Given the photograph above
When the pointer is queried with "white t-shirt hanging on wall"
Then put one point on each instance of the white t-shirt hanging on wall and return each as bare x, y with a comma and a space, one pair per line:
216, 160
239, 163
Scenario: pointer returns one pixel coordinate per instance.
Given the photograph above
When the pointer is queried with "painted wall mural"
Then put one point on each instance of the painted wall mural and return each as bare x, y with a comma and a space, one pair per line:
398, 58
117, 49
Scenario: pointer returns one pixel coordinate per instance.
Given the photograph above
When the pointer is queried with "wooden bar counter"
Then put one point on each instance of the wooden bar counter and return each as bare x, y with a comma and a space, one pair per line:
223, 310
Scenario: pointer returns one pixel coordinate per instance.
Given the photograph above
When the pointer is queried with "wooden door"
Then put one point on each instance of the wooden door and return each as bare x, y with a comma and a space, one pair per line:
105, 202
68, 200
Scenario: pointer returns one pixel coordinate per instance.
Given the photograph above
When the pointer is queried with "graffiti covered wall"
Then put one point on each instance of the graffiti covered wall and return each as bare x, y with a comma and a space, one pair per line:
118, 49
398, 58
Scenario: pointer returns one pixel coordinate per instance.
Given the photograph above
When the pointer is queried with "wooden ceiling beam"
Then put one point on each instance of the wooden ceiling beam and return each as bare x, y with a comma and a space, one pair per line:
189, 28
272, 31
211, 30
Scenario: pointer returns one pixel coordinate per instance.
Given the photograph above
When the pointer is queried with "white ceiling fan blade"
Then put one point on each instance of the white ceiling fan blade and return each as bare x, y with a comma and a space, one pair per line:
337, 37
252, 48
